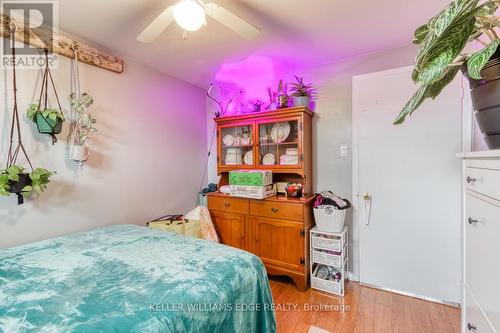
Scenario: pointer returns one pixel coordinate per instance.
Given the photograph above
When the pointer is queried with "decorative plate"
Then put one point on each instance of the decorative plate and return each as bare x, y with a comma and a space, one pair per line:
268, 159
280, 132
228, 140
248, 158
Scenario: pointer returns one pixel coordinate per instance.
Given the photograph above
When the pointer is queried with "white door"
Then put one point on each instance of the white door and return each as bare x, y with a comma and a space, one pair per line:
411, 240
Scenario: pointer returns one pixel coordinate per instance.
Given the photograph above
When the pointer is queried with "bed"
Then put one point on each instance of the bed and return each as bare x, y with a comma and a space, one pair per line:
127, 278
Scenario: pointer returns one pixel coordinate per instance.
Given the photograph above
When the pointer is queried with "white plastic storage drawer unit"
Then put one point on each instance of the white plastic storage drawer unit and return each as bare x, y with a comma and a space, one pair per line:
329, 250
481, 232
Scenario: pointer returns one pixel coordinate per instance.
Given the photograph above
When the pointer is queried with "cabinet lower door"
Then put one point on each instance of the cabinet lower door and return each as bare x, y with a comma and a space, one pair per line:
231, 229
279, 243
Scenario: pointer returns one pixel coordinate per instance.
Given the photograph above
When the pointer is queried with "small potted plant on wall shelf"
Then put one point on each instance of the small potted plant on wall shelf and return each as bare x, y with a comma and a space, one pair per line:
15, 180
48, 121
441, 56
302, 93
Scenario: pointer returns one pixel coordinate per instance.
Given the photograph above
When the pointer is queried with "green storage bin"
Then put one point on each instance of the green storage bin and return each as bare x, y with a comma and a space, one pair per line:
251, 178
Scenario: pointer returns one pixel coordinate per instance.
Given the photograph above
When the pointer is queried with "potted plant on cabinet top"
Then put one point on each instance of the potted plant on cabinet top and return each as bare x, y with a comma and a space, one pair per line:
441, 56
302, 93
15, 180
282, 96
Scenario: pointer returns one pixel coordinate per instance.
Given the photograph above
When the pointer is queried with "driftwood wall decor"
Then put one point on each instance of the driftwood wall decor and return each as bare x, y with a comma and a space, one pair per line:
62, 45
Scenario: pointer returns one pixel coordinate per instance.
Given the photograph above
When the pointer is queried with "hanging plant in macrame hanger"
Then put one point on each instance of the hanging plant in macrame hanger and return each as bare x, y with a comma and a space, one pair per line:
82, 125
14, 179
48, 120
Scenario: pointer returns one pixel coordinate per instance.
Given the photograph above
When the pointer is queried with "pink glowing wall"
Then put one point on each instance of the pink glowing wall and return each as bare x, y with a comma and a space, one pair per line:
252, 76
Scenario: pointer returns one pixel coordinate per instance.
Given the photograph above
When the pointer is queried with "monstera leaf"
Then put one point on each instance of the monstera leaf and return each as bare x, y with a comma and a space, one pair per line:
479, 59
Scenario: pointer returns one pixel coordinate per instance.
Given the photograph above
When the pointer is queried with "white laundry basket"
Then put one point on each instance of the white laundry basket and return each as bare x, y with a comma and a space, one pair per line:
329, 218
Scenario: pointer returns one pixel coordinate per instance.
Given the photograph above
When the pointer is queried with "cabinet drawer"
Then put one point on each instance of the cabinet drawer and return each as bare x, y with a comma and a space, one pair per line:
229, 205
474, 319
277, 210
484, 181
482, 245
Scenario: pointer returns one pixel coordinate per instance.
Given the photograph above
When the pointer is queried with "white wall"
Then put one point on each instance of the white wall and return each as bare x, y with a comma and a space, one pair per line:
146, 159
332, 120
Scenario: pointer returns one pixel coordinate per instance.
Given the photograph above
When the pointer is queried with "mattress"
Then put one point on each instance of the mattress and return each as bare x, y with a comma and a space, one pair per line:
127, 278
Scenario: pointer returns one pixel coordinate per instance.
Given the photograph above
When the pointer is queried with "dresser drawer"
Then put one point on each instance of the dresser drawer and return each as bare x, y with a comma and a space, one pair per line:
277, 210
474, 319
482, 246
228, 204
484, 181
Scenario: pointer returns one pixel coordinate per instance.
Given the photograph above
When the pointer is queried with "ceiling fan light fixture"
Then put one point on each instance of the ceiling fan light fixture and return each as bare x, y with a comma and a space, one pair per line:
189, 15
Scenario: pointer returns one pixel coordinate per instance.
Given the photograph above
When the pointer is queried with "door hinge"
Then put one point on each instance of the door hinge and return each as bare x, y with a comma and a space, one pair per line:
302, 233
301, 157
300, 126
302, 262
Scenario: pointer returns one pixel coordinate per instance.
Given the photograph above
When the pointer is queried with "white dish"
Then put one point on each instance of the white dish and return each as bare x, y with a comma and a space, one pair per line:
268, 159
248, 158
228, 140
280, 132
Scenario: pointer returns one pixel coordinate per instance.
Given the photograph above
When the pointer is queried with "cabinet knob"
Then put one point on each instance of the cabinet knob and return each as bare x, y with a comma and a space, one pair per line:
471, 221
471, 327
227, 204
471, 180
274, 210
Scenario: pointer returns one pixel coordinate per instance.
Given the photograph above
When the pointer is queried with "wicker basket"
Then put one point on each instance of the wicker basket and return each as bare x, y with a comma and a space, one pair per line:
329, 219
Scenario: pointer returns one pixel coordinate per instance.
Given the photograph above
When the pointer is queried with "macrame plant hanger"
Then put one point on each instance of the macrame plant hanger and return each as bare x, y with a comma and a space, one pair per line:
76, 128
43, 100
15, 129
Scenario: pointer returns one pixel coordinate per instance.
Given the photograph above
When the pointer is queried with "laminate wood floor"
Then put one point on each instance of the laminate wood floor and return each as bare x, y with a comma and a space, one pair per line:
363, 310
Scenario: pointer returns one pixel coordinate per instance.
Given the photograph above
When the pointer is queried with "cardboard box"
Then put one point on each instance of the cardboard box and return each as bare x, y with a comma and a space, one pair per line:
251, 178
253, 192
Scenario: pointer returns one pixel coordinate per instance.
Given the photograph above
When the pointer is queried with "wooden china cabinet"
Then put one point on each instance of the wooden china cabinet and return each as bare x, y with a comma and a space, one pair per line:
276, 228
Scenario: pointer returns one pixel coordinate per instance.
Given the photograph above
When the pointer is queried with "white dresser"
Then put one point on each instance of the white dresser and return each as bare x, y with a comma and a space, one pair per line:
481, 242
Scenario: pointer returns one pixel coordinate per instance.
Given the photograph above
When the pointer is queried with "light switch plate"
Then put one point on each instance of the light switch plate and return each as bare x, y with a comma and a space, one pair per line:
344, 151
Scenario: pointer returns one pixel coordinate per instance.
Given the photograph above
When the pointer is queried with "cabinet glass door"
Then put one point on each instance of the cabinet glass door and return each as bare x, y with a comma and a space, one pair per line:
279, 143
236, 145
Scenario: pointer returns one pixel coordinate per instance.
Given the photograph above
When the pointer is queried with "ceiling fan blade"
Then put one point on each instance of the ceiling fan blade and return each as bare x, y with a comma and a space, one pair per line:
232, 21
155, 28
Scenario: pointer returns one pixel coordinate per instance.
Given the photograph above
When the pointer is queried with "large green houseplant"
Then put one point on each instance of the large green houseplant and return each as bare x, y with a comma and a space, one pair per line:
441, 54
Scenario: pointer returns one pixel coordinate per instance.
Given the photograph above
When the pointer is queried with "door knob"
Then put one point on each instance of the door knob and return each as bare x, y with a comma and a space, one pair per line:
368, 207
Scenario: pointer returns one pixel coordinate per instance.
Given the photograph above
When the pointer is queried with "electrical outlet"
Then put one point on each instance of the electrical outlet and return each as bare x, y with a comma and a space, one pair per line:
344, 151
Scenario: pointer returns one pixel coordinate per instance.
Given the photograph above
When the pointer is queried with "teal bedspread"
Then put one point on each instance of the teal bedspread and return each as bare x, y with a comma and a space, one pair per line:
127, 278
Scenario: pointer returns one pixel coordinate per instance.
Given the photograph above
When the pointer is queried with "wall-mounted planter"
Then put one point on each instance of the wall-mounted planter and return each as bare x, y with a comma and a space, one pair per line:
17, 187
79, 153
46, 125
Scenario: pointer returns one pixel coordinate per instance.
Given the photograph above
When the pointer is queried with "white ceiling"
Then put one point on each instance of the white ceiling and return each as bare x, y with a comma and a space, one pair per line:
298, 33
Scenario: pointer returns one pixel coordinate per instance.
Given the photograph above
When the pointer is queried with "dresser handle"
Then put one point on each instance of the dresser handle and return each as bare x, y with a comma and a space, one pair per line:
274, 210
471, 327
471, 180
227, 204
471, 221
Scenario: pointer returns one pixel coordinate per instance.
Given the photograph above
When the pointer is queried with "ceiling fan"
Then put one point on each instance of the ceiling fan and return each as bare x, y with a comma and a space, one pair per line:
190, 15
